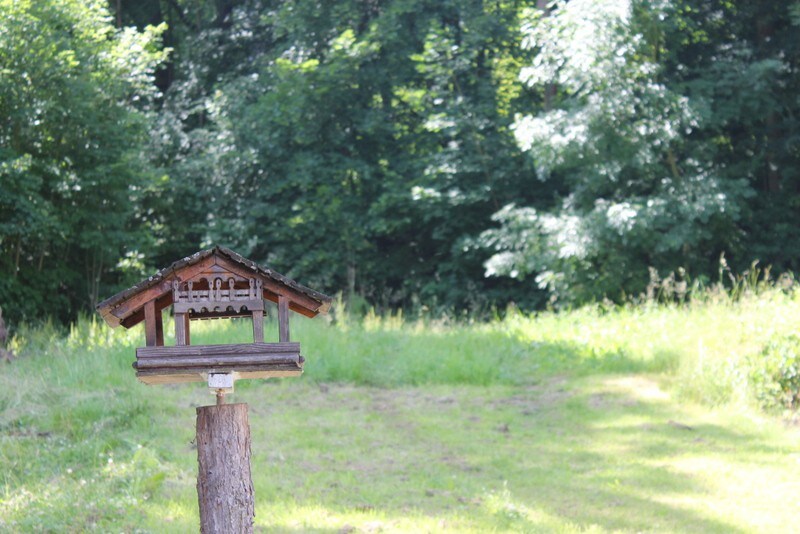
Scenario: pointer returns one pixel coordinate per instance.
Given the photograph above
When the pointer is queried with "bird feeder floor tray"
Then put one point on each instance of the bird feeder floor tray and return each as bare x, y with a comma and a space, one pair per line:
185, 363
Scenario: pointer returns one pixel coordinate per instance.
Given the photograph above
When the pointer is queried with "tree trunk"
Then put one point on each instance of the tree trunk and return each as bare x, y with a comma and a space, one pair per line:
224, 485
351, 283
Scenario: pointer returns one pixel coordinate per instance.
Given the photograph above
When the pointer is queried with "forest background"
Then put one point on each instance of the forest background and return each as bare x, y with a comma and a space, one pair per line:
425, 155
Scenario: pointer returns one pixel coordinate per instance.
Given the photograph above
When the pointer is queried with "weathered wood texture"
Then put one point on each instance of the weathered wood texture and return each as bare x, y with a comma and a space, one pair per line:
224, 484
150, 323
237, 349
168, 365
181, 327
165, 301
159, 327
126, 307
283, 319
186, 329
258, 326
225, 308
219, 361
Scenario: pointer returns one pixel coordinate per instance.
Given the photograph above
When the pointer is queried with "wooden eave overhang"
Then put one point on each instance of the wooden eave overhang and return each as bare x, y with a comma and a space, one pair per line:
127, 307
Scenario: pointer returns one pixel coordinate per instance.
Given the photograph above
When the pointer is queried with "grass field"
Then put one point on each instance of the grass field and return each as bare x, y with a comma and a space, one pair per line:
638, 419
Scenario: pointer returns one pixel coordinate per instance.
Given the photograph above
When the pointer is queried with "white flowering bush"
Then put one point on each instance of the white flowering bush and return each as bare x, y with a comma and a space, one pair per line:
613, 137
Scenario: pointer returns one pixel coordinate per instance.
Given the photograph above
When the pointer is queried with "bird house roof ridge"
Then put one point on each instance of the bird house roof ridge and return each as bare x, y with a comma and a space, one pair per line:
108, 305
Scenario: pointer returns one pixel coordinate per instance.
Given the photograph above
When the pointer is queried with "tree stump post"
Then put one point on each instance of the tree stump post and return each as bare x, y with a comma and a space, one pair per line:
224, 484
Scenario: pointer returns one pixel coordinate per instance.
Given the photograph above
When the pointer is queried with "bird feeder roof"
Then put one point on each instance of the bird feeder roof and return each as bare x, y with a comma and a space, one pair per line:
126, 308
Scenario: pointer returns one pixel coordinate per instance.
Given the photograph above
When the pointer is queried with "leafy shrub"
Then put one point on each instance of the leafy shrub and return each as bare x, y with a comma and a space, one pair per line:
775, 374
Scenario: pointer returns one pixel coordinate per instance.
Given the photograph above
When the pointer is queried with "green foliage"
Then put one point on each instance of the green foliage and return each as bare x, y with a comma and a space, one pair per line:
644, 104
439, 157
775, 374
74, 99
637, 194
376, 131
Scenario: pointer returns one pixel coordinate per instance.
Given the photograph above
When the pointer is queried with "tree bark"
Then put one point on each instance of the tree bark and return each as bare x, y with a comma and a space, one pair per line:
224, 484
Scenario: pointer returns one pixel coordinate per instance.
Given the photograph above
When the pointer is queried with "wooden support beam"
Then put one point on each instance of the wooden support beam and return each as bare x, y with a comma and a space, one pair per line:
186, 329
180, 329
164, 301
150, 335
258, 326
128, 307
283, 319
159, 328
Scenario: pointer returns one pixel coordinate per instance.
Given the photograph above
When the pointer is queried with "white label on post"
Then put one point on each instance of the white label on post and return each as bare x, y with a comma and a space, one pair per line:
220, 380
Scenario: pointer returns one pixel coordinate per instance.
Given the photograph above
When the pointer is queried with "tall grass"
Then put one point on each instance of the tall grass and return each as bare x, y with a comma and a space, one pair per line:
706, 348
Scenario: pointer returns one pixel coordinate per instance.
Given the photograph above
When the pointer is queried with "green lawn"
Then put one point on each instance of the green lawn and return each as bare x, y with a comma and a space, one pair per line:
631, 420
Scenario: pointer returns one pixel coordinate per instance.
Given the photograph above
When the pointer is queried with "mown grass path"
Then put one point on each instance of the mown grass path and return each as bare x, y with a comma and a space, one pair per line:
602, 453
608, 453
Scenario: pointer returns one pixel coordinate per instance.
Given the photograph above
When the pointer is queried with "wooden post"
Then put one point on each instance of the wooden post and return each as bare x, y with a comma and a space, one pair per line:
186, 331
283, 319
224, 484
150, 334
159, 328
258, 326
180, 329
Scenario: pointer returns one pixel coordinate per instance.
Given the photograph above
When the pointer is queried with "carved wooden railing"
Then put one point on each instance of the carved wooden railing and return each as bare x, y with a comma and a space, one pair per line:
184, 291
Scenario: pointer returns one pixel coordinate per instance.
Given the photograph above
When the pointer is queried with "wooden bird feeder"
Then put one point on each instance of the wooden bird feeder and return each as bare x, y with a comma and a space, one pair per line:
216, 284
213, 284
